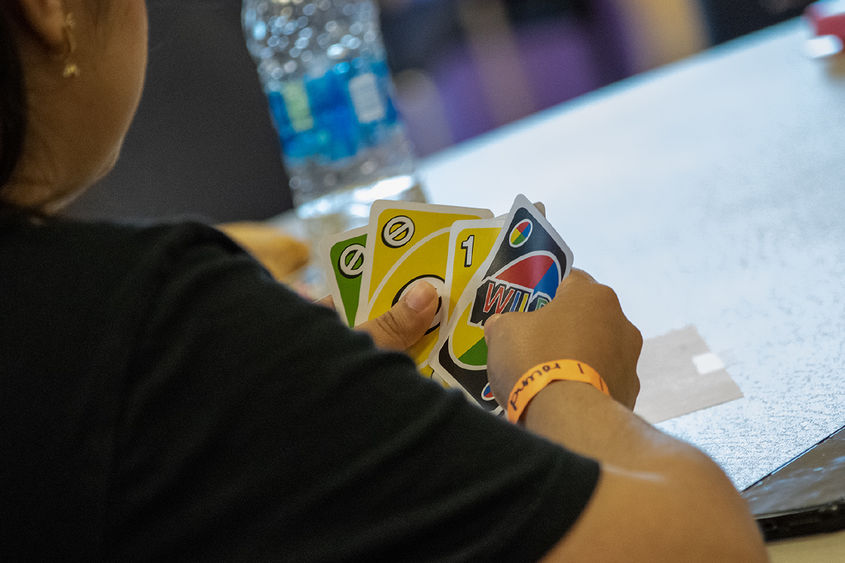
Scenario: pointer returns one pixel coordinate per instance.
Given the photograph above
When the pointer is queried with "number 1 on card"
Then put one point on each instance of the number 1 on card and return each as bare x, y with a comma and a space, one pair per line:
467, 245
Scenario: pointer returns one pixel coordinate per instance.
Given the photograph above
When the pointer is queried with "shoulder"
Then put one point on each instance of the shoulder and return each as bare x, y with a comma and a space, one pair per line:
100, 285
156, 241
120, 243
131, 255
77, 298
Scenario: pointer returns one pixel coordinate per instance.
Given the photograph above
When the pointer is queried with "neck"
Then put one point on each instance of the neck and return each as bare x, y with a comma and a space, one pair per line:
38, 196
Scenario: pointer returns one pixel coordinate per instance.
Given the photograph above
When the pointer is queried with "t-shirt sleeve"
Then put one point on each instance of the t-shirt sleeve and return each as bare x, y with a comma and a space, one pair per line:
257, 427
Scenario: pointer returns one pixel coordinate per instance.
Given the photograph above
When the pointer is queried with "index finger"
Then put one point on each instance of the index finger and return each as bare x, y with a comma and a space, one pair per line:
576, 276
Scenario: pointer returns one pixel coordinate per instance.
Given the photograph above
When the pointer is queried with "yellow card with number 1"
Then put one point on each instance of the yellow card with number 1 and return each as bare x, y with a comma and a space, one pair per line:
470, 242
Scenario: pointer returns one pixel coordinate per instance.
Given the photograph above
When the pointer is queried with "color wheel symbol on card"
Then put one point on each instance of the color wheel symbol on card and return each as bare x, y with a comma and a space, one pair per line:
520, 233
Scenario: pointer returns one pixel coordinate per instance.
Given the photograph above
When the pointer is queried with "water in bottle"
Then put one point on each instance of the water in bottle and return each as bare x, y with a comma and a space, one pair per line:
322, 65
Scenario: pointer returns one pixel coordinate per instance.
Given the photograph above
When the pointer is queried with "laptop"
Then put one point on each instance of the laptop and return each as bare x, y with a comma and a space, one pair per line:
804, 496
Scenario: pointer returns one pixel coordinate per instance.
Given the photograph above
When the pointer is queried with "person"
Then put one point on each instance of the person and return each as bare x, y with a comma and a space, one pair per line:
163, 398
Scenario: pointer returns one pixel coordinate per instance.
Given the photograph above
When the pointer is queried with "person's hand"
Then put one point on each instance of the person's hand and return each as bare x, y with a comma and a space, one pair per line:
583, 322
280, 253
407, 321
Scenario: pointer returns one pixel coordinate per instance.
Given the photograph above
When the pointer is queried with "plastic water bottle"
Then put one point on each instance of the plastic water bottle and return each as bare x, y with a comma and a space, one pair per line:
323, 68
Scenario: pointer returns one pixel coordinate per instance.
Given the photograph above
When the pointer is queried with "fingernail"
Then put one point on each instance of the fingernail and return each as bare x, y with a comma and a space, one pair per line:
420, 296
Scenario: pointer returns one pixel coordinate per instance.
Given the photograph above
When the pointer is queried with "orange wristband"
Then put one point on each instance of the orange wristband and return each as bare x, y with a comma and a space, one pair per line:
537, 378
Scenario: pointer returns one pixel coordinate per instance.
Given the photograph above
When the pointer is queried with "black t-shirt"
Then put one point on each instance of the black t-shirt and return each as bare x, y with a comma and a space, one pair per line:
164, 398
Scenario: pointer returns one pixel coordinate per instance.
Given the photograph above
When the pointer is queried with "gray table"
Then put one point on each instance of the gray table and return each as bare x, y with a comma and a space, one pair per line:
711, 192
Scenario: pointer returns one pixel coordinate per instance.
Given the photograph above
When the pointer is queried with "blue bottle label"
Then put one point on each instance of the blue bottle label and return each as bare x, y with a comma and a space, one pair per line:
335, 116
366, 98
298, 108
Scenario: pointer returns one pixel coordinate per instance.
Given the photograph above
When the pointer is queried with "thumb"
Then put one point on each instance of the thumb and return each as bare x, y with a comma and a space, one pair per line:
407, 321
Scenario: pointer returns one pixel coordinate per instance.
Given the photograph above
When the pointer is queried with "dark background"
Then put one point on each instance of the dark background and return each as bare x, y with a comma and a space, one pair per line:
202, 142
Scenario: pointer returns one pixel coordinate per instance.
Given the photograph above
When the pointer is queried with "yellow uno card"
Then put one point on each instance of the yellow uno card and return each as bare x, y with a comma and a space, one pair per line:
408, 242
470, 242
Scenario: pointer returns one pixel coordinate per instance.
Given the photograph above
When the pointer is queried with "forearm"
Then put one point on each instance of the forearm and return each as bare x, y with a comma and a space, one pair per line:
584, 420
670, 493
657, 498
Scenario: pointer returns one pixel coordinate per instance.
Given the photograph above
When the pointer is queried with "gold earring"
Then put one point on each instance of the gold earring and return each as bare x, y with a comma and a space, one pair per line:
71, 68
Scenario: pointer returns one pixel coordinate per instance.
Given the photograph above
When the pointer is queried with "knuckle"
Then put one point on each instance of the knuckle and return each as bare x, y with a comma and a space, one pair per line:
510, 322
390, 328
603, 298
607, 295
581, 276
504, 326
638, 337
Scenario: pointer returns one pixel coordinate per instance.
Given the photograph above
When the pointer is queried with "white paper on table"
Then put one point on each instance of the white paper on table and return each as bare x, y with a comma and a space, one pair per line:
679, 374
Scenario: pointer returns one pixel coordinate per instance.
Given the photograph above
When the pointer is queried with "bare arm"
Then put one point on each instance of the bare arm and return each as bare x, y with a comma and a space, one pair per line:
658, 499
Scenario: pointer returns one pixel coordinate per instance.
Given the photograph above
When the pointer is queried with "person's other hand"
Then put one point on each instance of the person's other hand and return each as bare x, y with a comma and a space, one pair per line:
280, 253
583, 322
407, 321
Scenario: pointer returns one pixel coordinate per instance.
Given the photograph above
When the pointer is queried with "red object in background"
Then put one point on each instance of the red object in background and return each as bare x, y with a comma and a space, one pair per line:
827, 18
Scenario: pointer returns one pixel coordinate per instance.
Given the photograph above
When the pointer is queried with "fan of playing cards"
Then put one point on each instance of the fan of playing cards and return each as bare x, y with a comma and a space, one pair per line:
480, 266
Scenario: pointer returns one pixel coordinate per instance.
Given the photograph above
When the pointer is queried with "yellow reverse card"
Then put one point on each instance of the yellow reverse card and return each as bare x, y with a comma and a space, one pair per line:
408, 242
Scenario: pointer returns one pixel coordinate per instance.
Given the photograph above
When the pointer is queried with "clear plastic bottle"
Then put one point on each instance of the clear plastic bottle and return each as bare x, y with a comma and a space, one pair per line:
322, 65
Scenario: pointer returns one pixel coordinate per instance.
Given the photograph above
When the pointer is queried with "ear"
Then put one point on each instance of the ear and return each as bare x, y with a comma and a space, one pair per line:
45, 19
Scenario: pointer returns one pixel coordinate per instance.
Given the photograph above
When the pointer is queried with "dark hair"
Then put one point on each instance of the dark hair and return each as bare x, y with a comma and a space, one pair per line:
12, 102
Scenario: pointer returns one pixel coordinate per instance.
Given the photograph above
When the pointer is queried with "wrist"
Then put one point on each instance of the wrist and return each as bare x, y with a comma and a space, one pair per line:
536, 379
